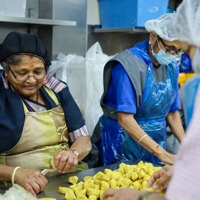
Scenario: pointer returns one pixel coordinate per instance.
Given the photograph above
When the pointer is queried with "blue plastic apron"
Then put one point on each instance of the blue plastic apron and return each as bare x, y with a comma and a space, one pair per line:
116, 145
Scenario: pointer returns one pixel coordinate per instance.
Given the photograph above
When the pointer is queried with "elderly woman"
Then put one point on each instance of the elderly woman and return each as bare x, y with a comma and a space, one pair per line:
40, 123
140, 96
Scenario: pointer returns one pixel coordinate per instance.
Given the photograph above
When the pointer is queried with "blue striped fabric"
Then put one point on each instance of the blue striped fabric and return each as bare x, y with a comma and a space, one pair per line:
54, 83
78, 133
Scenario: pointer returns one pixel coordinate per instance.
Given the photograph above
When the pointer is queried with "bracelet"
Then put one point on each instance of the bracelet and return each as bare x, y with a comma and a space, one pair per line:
155, 149
75, 152
13, 174
145, 196
142, 138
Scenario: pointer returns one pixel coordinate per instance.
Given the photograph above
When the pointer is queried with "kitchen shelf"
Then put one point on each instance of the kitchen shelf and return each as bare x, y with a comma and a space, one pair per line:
120, 30
37, 21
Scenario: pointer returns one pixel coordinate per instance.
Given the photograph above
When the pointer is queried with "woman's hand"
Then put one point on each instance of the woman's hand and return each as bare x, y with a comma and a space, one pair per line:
122, 194
65, 161
32, 180
164, 156
162, 177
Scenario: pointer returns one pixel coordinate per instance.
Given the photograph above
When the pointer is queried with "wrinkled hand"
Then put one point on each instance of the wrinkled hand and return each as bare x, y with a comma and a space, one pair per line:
65, 161
122, 194
167, 158
32, 180
162, 177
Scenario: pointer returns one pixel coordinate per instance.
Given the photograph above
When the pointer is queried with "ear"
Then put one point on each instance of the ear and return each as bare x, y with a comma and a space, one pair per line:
5, 71
152, 38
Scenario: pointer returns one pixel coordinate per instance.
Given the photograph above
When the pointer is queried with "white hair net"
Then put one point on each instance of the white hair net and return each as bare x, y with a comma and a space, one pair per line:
163, 26
187, 22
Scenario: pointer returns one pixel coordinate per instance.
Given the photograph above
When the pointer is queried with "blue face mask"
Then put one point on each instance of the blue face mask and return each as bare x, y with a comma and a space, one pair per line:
162, 57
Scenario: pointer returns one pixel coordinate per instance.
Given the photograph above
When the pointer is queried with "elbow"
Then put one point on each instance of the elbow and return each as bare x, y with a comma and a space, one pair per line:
171, 115
124, 119
121, 121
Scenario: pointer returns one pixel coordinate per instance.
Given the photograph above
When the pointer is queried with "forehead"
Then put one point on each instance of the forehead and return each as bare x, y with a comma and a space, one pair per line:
29, 62
30, 58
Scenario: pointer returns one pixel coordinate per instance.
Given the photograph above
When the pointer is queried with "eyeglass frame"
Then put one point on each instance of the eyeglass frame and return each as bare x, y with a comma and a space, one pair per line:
177, 52
26, 78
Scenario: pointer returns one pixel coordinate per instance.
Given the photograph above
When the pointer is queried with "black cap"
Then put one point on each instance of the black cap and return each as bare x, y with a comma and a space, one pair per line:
19, 43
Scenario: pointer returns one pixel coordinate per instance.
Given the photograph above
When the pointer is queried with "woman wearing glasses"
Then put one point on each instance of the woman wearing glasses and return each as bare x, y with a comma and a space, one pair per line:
140, 95
40, 123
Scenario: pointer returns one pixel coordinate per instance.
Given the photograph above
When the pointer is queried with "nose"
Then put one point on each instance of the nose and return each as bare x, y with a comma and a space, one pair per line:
31, 79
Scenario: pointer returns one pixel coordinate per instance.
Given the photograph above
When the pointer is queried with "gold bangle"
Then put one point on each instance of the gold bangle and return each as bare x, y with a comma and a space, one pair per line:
13, 174
145, 196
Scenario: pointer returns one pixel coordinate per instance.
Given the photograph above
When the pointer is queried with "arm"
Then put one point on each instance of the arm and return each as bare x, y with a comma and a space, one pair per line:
83, 146
32, 180
128, 123
174, 120
66, 160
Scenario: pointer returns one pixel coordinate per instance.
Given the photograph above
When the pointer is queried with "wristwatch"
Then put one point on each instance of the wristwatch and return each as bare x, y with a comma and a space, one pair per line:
145, 196
75, 152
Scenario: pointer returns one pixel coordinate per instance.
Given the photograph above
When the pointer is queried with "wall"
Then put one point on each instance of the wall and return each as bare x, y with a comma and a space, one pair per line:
65, 39
112, 42
93, 15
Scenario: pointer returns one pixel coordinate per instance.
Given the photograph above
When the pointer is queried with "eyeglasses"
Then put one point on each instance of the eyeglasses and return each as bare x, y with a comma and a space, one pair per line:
170, 51
25, 77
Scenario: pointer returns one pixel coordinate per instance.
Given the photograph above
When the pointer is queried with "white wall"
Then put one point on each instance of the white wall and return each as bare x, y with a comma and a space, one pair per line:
93, 15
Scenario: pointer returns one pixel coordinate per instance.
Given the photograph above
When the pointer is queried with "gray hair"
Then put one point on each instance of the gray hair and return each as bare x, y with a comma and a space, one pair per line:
15, 60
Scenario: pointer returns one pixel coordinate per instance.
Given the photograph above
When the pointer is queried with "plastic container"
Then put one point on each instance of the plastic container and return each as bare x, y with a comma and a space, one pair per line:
130, 13
14, 8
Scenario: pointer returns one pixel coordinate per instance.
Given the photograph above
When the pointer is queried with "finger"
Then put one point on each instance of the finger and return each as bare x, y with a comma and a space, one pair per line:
155, 176
108, 193
69, 168
165, 187
42, 182
62, 162
35, 186
161, 182
57, 159
153, 179
44, 179
29, 188
70, 164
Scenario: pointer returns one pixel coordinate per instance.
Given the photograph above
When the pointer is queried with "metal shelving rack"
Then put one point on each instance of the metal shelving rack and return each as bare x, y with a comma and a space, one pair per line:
37, 21
120, 30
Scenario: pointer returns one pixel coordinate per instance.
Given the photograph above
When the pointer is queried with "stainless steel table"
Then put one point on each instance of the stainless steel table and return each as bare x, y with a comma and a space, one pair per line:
54, 182
62, 180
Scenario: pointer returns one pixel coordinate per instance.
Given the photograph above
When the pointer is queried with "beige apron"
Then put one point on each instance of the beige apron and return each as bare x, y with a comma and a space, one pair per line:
44, 134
